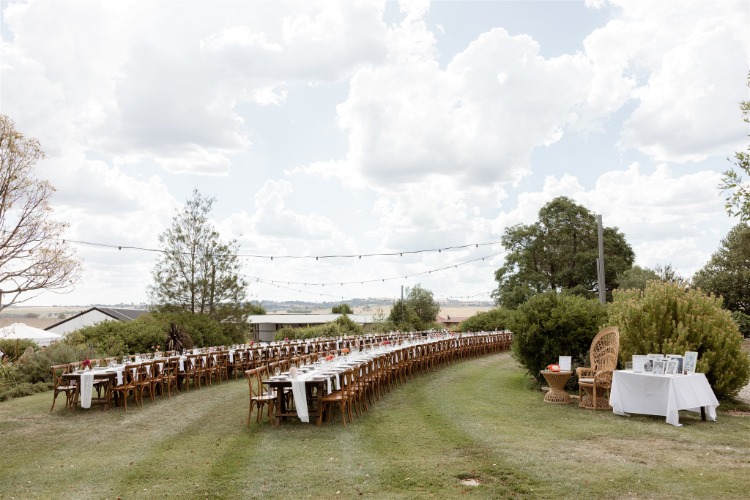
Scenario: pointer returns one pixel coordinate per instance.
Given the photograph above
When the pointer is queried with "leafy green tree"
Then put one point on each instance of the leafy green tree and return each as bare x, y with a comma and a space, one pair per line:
727, 273
198, 272
342, 309
638, 277
558, 252
550, 325
495, 319
33, 253
417, 312
666, 318
743, 322
738, 192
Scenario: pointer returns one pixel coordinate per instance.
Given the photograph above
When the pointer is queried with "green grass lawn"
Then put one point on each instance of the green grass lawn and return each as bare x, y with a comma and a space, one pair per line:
476, 419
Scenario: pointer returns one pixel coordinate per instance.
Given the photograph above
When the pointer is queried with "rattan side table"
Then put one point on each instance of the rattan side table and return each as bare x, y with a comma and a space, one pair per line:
557, 381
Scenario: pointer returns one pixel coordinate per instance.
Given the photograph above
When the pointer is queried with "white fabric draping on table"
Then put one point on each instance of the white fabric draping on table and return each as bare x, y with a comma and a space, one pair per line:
87, 386
118, 370
300, 398
650, 394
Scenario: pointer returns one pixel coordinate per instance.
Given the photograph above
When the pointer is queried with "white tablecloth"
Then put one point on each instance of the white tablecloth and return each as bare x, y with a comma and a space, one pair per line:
661, 395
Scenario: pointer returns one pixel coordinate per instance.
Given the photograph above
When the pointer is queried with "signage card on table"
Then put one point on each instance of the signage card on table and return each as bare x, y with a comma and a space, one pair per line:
564, 362
639, 360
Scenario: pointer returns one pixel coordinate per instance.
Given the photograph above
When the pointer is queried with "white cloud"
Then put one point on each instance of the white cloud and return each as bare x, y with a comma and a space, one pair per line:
685, 64
409, 119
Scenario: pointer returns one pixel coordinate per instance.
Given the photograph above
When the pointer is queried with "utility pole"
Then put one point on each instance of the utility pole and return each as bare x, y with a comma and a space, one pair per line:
600, 261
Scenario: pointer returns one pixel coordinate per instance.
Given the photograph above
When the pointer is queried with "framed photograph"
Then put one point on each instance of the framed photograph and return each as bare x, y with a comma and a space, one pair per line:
680, 362
659, 367
655, 356
671, 367
639, 360
648, 365
691, 359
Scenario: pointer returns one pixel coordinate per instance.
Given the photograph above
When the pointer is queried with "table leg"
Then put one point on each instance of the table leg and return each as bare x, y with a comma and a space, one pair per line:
280, 406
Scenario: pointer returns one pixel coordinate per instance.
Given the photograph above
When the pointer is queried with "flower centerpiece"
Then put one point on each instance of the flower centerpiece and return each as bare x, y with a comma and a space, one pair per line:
329, 357
86, 364
345, 351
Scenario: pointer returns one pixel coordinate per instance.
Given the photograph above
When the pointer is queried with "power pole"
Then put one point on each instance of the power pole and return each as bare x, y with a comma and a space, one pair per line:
600, 261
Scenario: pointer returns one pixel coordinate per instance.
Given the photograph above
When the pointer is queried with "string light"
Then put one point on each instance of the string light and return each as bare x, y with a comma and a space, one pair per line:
272, 257
382, 280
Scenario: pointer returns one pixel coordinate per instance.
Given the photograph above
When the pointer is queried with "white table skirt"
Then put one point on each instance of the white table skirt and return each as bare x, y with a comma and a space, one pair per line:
661, 395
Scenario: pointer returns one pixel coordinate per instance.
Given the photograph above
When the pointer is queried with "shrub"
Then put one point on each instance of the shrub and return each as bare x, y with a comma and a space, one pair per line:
348, 327
743, 322
35, 367
203, 330
667, 319
115, 338
9, 348
308, 332
487, 321
549, 325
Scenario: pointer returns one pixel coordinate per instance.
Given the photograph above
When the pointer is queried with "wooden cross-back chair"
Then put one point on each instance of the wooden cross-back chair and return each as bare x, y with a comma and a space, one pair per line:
596, 380
259, 396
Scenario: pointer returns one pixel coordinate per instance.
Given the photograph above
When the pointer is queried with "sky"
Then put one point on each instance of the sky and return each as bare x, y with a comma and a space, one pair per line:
364, 128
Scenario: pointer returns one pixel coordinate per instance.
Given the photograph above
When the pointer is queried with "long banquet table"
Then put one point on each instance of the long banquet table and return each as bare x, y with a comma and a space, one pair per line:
324, 376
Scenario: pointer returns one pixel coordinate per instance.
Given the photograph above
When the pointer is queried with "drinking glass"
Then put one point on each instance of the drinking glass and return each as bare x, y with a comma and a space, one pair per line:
277, 370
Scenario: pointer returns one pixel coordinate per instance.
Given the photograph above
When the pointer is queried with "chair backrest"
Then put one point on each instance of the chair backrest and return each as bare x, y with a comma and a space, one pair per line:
605, 349
57, 374
255, 379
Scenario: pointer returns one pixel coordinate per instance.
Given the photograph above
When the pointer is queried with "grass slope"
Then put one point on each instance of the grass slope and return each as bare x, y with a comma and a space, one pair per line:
476, 419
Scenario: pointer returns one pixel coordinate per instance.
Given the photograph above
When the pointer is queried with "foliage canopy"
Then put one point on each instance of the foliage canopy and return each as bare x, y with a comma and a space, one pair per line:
418, 311
727, 273
197, 272
738, 192
552, 324
33, 253
558, 252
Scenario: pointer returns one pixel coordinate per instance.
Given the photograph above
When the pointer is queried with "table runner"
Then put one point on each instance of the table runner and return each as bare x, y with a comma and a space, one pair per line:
87, 386
300, 398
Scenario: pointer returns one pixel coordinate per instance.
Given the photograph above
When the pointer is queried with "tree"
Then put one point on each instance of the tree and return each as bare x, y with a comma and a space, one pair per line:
495, 319
727, 273
33, 253
638, 277
417, 312
738, 192
342, 309
558, 252
197, 272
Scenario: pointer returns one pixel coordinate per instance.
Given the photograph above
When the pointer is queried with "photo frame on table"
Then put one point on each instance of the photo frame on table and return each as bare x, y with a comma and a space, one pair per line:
648, 365
655, 356
565, 363
680, 361
671, 367
639, 360
691, 360
659, 366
